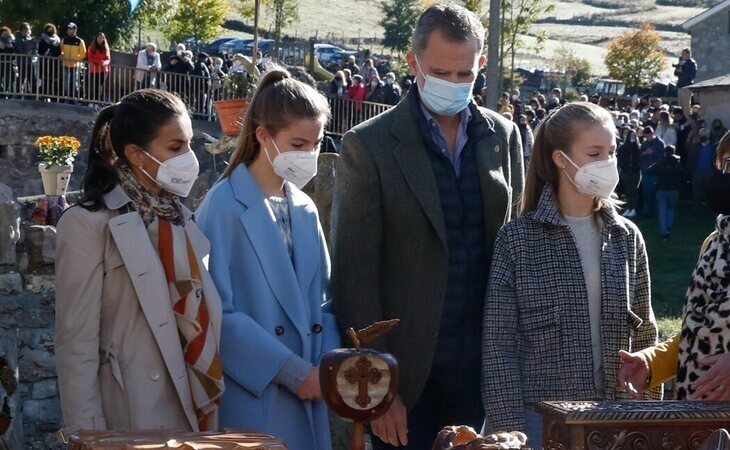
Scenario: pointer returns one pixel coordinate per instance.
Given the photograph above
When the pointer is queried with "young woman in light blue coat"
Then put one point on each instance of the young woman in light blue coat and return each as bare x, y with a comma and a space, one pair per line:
270, 263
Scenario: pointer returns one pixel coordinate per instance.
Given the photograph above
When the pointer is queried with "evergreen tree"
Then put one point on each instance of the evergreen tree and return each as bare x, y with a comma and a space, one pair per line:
399, 20
110, 16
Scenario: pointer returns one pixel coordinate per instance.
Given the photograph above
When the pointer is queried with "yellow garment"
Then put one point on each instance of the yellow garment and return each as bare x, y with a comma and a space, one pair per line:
662, 358
73, 51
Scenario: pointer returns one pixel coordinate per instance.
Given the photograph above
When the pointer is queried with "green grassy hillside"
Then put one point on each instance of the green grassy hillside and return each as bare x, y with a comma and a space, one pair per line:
586, 26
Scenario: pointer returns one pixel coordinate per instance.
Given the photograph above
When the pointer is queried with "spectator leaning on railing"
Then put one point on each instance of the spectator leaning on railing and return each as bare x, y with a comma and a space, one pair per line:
25, 45
8, 70
73, 51
148, 64
217, 75
49, 46
99, 57
200, 85
391, 90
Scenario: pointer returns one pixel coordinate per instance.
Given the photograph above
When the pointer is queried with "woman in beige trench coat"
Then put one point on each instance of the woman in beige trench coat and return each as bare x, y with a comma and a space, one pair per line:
137, 315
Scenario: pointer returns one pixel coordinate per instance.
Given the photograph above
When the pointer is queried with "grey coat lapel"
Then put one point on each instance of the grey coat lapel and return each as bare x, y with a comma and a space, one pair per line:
489, 151
416, 167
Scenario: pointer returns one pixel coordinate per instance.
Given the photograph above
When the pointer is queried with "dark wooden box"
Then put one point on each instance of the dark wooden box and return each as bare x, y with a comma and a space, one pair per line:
631, 425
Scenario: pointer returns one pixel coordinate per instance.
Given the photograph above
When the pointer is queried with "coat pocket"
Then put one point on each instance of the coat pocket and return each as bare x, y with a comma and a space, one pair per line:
540, 344
115, 402
112, 260
111, 362
533, 320
634, 320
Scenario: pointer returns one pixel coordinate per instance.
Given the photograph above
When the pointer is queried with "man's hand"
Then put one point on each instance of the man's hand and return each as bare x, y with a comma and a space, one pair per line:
714, 385
392, 427
634, 373
310, 390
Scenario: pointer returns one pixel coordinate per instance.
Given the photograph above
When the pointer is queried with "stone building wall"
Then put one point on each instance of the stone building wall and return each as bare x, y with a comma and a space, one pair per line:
26, 328
711, 46
21, 122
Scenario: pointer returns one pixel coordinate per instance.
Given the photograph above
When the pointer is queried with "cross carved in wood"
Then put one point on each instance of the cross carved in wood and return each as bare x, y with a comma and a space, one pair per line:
362, 374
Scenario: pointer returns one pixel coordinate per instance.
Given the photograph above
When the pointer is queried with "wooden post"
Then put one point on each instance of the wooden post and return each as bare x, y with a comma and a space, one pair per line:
255, 31
493, 56
357, 441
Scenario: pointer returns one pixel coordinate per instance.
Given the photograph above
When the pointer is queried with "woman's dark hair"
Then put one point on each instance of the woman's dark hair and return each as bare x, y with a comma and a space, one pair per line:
136, 119
279, 101
50, 26
104, 48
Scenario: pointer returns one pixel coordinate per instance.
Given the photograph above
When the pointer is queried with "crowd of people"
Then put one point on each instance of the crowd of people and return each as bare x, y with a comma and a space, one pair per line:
65, 67
661, 151
365, 84
515, 277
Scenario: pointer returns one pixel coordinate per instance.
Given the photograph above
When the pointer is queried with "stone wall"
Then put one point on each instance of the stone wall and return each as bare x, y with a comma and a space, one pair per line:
26, 328
715, 102
711, 45
21, 122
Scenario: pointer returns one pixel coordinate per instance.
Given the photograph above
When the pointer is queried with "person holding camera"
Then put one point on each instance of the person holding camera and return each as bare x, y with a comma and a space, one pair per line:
686, 71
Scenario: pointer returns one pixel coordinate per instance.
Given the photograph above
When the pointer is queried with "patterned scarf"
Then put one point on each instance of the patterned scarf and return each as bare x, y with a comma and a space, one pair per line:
165, 225
706, 317
149, 205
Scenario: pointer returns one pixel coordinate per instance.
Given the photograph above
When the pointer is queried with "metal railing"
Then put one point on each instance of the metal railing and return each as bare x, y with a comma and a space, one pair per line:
347, 113
80, 82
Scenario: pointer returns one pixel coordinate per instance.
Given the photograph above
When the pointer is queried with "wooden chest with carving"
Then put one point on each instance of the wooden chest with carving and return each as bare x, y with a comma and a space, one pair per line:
631, 425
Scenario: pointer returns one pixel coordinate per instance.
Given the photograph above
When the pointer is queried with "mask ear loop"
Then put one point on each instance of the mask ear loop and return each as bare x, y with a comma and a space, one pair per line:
266, 151
566, 173
418, 64
141, 167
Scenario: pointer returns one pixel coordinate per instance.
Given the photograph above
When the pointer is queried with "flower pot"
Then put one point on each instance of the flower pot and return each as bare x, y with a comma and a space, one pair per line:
55, 178
230, 114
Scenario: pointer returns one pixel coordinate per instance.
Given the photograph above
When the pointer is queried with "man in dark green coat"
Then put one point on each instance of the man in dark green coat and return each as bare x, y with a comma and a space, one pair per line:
420, 193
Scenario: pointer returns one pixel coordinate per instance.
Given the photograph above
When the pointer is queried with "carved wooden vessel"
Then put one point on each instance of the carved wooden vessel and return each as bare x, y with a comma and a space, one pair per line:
360, 384
177, 440
631, 425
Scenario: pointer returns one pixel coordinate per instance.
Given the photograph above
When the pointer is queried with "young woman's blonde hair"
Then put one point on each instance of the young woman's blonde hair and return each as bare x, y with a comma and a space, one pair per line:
723, 150
557, 132
279, 101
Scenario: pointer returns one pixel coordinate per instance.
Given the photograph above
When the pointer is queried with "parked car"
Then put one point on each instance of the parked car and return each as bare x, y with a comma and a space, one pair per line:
605, 87
325, 52
339, 58
213, 48
234, 46
264, 47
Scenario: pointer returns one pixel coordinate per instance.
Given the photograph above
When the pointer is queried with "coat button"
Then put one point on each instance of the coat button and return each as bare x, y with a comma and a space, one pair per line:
434, 333
154, 376
317, 328
279, 330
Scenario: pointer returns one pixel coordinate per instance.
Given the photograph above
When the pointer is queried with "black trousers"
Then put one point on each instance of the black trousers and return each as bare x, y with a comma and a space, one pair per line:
451, 397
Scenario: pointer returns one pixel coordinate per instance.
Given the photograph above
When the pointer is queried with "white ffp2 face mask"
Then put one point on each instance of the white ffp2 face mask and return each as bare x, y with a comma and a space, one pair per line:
444, 97
295, 166
596, 179
176, 175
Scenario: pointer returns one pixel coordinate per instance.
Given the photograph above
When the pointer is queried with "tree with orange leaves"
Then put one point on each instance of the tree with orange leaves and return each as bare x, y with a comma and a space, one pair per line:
635, 57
